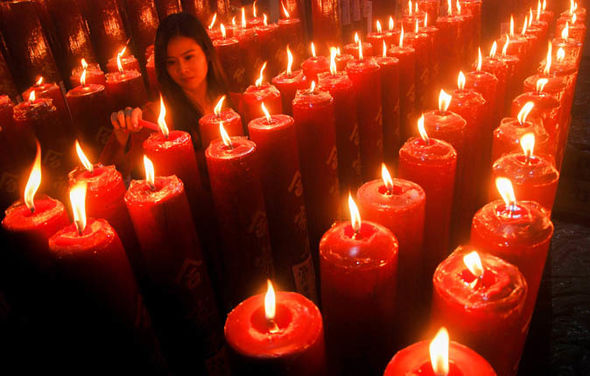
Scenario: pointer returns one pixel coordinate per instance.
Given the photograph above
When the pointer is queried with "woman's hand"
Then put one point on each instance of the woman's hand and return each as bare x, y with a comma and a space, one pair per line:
124, 122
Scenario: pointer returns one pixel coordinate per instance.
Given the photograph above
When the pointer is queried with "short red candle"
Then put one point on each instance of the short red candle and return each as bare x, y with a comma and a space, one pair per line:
358, 275
316, 138
288, 84
353, 49
432, 164
547, 108
294, 347
209, 125
255, 95
53, 92
94, 75
487, 312
229, 54
90, 114
276, 143
407, 88
234, 174
366, 78
341, 89
313, 66
126, 89
507, 137
129, 63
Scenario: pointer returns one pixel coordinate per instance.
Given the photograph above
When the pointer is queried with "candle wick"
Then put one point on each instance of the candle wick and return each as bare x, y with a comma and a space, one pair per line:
32, 210
152, 186
274, 328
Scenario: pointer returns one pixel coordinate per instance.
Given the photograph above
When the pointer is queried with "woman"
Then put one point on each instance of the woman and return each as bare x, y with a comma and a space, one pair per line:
190, 78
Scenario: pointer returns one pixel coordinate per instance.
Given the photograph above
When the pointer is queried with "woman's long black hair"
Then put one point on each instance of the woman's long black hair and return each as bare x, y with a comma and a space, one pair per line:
184, 114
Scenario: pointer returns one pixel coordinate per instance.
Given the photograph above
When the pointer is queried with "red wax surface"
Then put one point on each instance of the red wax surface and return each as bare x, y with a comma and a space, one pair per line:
366, 78
209, 125
341, 89
316, 139
229, 54
254, 96
401, 210
547, 108
409, 20
359, 277
313, 66
276, 143
90, 114
449, 35
516, 47
415, 360
53, 92
234, 174
556, 85
534, 179
421, 44
432, 165
572, 48
342, 60
484, 313
94, 75
521, 237
296, 348
150, 67
126, 89
288, 84
407, 89
9, 165
129, 63
507, 138
375, 39
249, 53
576, 31
353, 49
431, 7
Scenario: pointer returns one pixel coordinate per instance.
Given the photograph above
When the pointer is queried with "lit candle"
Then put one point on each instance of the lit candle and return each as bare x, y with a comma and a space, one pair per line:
353, 47
94, 75
209, 123
449, 37
51, 91
228, 51
267, 35
260, 92
125, 88
288, 82
493, 65
129, 62
314, 65
291, 30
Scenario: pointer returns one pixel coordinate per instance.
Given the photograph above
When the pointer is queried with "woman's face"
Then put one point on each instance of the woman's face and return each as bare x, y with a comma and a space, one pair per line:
186, 63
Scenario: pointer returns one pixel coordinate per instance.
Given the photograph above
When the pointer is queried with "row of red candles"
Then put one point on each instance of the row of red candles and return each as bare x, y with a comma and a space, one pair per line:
263, 121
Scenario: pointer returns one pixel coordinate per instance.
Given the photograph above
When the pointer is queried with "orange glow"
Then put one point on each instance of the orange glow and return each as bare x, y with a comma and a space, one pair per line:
391, 23
261, 77
401, 37
39, 81
473, 262
224, 136
244, 23
356, 37
479, 60
524, 112
254, 9
386, 177
461, 81
285, 11
85, 162
218, 106
34, 181
493, 49
223, 32
360, 50
565, 31
78, 201
313, 50
150, 175
32, 96
524, 26
119, 55
233, 21
527, 143
547, 69
384, 46
573, 18
512, 26
266, 114
210, 27
269, 301
541, 82
530, 16
444, 101
449, 7
421, 129
560, 54
505, 48
504, 187
355, 215
439, 353
162, 119
83, 77
289, 61
378, 27
572, 6
333, 67
338, 51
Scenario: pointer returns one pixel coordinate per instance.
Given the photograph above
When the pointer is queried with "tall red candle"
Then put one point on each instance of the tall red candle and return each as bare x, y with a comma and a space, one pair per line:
126, 89
287, 339
480, 299
249, 52
288, 82
228, 51
268, 37
390, 104
260, 92
90, 114
276, 140
421, 44
407, 88
53, 92
291, 33
209, 123
353, 48
314, 65
358, 268
234, 173
106, 27
433, 52
449, 34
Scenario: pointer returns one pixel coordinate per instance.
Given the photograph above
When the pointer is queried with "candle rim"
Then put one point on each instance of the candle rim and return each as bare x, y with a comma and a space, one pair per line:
18, 217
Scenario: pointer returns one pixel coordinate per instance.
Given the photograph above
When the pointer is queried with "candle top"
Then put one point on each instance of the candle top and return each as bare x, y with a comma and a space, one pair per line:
102, 181
554, 85
93, 68
298, 320
475, 79
467, 99
296, 77
501, 287
536, 170
372, 247
244, 34
433, 151
277, 121
36, 109
339, 81
225, 41
316, 63
512, 130
305, 97
528, 223
160, 143
495, 66
356, 66
241, 147
18, 217
289, 21
126, 75
259, 93
447, 121
400, 52
402, 195
343, 58
87, 89
165, 188
226, 115
543, 101
97, 235
386, 61
267, 28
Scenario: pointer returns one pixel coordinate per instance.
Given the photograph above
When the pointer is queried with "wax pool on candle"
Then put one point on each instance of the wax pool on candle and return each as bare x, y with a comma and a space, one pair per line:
94, 75
313, 66
129, 63
209, 124
258, 94
358, 268
288, 83
480, 299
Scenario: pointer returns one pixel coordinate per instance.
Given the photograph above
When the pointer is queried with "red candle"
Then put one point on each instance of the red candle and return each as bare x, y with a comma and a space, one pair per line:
533, 177
434, 53
518, 232
438, 357
340, 87
342, 60
209, 124
421, 44
326, 21
10, 142
94, 75
498, 68
142, 23
268, 37
106, 27
543, 14
314, 65
515, 67
389, 103
480, 298
153, 84
314, 114
572, 48
179, 295
376, 38
249, 51
407, 88
576, 27
431, 163
288, 82
228, 51
399, 205
474, 8
53, 92
129, 62
358, 267
291, 33
126, 89
353, 48
366, 78
431, 7
449, 35
234, 173
276, 333
276, 140
255, 95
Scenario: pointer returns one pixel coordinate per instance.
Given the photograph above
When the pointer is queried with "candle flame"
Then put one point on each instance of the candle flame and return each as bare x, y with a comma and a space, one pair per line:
313, 49
360, 50
384, 46
547, 69
560, 54
493, 49
410, 7
254, 9
473, 262
530, 16
541, 82
512, 26
218, 106
544, 5
439, 353
32, 96
449, 8
264, 19
333, 66
565, 31
461, 81
444, 101
84, 63
150, 175
574, 18
289, 60
386, 177
422, 129
356, 37
391, 23
83, 77
244, 24
119, 65
355, 215
527, 143
162, 119
233, 21
269, 301
378, 27
78, 201
524, 112
504, 187
401, 37
417, 26
572, 6
261, 76
312, 86
505, 48
82, 156
458, 8
538, 10
223, 32
425, 19
34, 181
285, 11
210, 27
479, 60
224, 136
524, 26
39, 81
265, 111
